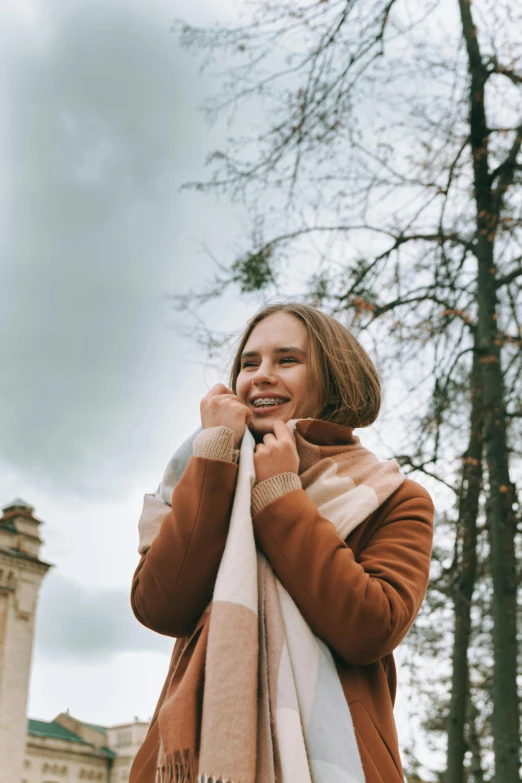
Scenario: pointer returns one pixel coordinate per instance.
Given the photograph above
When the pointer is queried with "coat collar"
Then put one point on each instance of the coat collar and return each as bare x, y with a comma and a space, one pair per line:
316, 439
324, 433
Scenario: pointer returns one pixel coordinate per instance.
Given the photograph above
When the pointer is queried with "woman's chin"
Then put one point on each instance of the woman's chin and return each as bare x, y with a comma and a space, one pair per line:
260, 428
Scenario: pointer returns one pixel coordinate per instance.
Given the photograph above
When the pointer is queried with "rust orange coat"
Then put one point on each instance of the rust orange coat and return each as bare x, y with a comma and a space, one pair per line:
360, 595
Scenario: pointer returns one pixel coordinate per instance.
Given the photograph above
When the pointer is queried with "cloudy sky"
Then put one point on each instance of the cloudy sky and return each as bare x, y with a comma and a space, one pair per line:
103, 125
99, 387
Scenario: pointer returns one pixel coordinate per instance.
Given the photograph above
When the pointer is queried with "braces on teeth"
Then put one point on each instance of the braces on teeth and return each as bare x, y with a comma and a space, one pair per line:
266, 402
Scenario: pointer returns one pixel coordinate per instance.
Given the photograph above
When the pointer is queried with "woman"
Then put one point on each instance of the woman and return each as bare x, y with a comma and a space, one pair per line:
358, 579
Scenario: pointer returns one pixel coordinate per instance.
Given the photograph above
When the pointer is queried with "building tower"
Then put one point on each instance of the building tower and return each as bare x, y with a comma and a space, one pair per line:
21, 574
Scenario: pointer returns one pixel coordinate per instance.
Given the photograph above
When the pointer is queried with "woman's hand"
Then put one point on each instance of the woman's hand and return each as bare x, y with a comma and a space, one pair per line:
276, 454
220, 407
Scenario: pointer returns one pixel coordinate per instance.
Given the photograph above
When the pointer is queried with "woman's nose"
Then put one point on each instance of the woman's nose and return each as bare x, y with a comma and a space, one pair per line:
264, 374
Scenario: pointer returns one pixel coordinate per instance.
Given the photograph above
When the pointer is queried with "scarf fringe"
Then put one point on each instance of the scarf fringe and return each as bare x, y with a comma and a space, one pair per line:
179, 767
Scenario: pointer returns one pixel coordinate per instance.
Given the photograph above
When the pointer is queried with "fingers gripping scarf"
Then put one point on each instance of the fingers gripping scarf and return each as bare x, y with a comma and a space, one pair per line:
273, 704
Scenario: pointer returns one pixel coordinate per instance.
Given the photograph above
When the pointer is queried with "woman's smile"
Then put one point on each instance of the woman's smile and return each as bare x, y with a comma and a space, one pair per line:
265, 409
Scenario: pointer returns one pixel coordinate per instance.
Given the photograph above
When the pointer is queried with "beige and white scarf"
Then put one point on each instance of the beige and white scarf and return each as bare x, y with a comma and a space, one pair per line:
273, 704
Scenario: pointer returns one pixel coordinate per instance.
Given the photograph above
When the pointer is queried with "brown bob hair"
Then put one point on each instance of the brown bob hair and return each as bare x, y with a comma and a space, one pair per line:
349, 386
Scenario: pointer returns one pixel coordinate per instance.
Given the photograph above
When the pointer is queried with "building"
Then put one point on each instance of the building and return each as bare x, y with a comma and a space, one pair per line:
65, 750
33, 751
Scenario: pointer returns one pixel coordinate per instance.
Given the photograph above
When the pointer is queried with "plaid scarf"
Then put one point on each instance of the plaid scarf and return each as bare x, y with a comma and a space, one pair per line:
273, 704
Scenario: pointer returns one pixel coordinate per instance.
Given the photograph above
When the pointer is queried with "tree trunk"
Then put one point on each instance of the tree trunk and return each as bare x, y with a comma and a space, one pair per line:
476, 771
466, 570
500, 514
501, 523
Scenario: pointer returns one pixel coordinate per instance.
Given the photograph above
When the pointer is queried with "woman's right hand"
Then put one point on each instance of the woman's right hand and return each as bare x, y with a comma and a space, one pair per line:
220, 407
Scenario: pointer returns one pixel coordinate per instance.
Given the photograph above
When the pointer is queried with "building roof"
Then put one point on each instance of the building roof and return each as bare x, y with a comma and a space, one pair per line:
108, 751
18, 503
54, 730
44, 728
7, 550
101, 729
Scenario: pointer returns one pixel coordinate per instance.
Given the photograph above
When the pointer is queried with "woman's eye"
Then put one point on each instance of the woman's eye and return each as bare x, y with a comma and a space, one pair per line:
253, 364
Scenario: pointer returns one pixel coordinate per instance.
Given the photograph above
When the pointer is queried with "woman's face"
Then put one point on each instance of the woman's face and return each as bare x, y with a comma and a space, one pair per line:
274, 371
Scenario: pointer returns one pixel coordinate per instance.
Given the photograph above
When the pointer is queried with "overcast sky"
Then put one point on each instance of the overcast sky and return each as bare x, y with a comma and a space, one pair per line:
103, 125
98, 387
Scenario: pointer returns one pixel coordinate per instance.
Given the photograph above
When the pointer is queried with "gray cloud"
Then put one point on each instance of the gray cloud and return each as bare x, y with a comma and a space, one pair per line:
79, 624
101, 133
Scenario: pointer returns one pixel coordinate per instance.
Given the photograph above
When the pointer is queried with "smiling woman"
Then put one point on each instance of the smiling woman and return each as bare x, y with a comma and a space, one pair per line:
289, 562
335, 373
273, 373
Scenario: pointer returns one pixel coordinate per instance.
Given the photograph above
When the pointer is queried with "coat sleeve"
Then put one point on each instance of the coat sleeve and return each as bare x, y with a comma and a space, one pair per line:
361, 608
174, 580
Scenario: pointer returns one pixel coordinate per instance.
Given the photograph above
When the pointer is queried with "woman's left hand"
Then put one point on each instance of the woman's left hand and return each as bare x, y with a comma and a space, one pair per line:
276, 454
